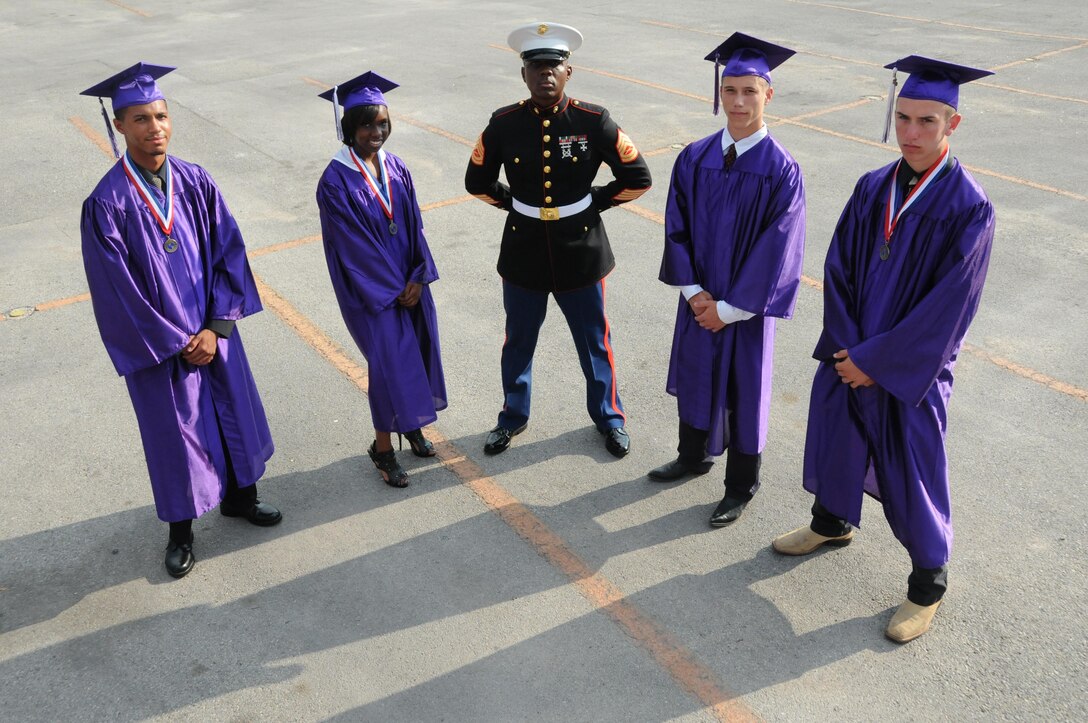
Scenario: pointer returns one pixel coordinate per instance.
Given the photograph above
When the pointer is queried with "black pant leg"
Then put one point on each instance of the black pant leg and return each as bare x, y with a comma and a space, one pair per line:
692, 447
742, 474
826, 524
181, 532
926, 586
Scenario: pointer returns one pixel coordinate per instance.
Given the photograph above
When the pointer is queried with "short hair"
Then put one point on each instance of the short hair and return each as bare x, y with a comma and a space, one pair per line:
360, 115
119, 114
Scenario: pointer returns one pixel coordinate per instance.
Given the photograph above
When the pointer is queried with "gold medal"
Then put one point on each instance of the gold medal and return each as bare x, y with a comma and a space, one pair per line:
170, 245
885, 252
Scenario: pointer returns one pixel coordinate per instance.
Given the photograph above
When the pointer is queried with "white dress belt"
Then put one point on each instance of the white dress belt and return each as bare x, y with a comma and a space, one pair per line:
552, 214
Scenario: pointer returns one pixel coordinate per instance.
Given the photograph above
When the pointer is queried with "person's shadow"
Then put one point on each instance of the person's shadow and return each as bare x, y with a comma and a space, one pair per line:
45, 573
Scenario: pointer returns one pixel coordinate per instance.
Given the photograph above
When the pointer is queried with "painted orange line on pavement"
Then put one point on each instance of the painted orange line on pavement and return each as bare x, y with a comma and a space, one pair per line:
668, 653
92, 135
255, 253
814, 283
825, 111
1026, 373
688, 673
930, 21
312, 335
447, 202
644, 212
660, 151
1040, 56
1037, 94
136, 11
57, 303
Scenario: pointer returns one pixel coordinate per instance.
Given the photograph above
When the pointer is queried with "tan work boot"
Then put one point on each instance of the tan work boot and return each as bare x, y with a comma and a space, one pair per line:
803, 541
911, 621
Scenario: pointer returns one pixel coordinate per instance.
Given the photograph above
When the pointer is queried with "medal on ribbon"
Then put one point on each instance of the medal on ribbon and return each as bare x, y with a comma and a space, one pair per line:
891, 215
385, 200
164, 215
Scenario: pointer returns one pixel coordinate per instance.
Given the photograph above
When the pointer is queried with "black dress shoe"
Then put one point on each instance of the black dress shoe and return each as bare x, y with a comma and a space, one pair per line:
259, 513
179, 558
678, 469
498, 439
728, 510
617, 442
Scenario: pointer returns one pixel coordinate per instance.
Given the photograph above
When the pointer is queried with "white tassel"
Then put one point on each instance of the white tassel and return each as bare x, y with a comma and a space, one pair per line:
336, 113
717, 84
891, 108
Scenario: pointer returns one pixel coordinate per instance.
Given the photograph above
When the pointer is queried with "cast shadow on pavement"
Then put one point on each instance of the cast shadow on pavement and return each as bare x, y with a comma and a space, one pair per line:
45, 573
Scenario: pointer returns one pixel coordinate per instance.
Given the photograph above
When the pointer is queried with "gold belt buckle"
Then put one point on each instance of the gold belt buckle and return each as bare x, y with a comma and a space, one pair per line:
549, 214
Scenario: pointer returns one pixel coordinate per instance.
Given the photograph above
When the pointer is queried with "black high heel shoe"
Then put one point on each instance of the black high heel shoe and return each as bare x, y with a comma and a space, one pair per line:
419, 444
386, 462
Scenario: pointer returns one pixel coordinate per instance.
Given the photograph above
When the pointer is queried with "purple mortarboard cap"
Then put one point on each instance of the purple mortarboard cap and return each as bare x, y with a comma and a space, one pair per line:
365, 89
929, 80
744, 55
132, 86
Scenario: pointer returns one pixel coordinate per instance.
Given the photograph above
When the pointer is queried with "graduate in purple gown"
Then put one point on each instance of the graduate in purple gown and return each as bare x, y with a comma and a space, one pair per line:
734, 242
902, 281
169, 278
381, 269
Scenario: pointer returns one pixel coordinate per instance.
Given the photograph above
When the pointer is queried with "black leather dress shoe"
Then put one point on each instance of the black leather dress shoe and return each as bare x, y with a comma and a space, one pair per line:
179, 558
728, 510
498, 439
678, 469
617, 442
259, 513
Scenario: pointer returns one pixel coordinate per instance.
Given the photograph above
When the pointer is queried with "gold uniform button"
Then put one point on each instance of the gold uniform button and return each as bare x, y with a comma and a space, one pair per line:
547, 123
547, 184
547, 199
515, 228
517, 160
547, 154
574, 159
585, 228
547, 138
575, 102
555, 109
521, 102
547, 169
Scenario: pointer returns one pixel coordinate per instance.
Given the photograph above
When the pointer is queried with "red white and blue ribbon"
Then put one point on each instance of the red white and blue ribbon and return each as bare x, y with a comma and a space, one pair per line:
384, 199
891, 215
164, 216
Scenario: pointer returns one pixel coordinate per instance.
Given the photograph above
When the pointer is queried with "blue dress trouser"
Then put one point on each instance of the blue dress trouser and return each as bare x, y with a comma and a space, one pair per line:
584, 311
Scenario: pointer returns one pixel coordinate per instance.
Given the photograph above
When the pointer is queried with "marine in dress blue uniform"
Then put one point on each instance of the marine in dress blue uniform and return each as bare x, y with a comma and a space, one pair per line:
554, 241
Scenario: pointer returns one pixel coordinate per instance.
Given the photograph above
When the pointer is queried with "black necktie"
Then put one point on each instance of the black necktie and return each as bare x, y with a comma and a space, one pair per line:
730, 156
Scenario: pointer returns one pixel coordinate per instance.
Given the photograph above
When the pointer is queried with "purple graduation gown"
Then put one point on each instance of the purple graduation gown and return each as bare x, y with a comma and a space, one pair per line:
740, 235
194, 421
369, 268
902, 321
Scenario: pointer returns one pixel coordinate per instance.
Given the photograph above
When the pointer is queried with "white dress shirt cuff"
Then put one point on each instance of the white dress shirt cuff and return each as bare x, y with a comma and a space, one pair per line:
690, 291
731, 314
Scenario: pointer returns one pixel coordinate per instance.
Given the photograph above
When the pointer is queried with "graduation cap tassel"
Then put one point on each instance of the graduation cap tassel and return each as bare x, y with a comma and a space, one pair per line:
891, 108
717, 84
336, 113
109, 129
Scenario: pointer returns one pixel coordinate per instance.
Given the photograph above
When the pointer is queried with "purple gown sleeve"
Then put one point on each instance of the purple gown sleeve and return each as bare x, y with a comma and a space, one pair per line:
769, 277
677, 261
841, 329
423, 269
233, 292
906, 359
135, 334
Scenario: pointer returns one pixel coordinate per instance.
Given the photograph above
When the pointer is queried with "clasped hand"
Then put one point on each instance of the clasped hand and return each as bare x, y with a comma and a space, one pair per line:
201, 348
410, 296
849, 372
705, 309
